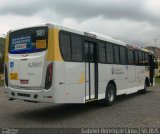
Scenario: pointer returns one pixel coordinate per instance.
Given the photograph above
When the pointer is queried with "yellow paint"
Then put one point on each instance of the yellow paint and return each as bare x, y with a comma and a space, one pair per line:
82, 78
40, 43
6, 49
13, 76
53, 53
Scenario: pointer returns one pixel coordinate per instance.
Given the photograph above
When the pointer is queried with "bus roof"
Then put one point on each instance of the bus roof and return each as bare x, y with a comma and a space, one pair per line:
89, 34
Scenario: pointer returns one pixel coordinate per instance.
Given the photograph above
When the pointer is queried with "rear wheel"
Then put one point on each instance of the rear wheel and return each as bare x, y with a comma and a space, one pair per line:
110, 95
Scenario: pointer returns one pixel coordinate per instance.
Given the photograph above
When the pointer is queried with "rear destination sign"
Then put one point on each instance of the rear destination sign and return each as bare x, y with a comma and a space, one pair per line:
21, 43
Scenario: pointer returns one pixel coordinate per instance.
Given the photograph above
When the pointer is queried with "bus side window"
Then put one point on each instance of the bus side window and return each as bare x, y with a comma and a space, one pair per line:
65, 46
136, 57
102, 52
76, 43
86, 51
91, 53
140, 57
109, 50
130, 57
116, 55
122, 55
143, 59
146, 59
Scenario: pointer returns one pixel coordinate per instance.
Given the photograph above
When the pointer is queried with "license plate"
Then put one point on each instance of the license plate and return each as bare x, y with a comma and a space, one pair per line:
13, 76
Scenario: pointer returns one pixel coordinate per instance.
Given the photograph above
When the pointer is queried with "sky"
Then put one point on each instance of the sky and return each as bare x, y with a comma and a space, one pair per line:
135, 22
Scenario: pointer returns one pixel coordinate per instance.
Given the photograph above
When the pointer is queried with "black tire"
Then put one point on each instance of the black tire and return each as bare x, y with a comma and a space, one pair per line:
110, 96
143, 91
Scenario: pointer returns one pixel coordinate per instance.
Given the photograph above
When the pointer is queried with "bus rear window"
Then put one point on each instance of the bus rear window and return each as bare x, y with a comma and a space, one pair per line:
30, 40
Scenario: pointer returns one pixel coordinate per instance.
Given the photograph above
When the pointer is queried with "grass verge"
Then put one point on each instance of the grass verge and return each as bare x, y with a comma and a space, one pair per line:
157, 79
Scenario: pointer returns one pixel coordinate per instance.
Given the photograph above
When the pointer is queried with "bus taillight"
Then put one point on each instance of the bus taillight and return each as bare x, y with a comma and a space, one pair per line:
49, 72
6, 75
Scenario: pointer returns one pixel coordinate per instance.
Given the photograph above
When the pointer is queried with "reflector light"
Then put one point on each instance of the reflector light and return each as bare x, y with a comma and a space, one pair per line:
49, 74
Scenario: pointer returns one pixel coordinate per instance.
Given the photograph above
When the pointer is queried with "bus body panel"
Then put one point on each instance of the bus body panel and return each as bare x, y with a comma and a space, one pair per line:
124, 77
28, 70
103, 78
119, 73
140, 75
74, 82
131, 77
68, 82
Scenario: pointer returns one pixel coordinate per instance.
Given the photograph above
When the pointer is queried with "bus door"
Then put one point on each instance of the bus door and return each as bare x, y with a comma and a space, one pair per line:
151, 68
91, 71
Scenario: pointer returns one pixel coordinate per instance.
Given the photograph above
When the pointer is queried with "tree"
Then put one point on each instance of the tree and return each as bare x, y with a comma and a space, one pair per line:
2, 45
2, 48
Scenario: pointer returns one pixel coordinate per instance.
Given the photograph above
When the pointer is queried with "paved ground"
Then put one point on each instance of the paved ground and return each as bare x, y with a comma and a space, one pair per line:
129, 111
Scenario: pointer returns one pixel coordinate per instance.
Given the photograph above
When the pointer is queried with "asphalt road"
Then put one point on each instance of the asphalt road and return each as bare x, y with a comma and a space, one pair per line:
134, 110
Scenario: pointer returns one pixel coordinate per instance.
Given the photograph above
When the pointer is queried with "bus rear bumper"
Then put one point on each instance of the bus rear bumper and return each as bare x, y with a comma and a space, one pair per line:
30, 95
